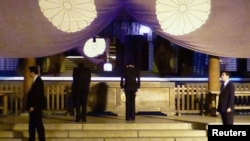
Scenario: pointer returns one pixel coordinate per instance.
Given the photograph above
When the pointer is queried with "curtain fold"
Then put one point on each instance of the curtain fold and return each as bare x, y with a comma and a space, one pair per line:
26, 32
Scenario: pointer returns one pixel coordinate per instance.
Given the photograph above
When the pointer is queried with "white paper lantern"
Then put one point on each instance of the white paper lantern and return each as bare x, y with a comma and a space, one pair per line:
94, 48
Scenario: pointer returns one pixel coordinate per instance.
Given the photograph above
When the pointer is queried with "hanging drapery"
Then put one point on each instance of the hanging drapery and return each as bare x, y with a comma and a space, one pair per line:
37, 28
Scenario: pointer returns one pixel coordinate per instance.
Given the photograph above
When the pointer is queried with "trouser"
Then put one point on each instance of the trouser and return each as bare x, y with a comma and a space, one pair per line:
227, 118
130, 105
36, 123
80, 104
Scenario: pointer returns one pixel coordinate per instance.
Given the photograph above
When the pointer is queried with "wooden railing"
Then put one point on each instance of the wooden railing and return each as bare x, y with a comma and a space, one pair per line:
56, 98
15, 95
189, 98
195, 98
242, 100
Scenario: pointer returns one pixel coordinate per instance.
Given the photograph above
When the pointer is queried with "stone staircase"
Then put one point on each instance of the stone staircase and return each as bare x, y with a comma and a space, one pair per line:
110, 131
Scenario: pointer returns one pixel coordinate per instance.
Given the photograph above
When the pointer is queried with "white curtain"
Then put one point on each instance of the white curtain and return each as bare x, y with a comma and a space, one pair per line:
26, 32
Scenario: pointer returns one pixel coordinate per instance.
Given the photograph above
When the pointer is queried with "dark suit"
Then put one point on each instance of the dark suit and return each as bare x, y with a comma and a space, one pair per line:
36, 99
80, 90
130, 82
226, 100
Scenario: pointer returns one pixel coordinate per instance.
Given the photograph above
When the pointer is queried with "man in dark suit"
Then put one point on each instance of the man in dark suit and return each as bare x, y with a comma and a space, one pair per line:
80, 91
35, 105
226, 99
130, 83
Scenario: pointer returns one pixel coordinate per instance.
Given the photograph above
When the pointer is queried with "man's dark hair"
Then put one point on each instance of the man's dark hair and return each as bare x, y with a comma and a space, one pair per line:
81, 64
226, 72
33, 69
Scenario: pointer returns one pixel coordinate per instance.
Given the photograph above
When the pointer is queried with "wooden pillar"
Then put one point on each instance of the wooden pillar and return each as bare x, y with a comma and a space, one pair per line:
213, 83
27, 80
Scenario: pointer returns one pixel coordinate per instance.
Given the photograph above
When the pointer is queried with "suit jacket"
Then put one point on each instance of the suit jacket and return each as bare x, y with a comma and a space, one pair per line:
130, 79
36, 96
81, 80
226, 98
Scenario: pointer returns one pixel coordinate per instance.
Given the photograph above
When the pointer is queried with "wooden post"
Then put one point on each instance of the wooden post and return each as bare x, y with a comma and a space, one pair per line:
213, 83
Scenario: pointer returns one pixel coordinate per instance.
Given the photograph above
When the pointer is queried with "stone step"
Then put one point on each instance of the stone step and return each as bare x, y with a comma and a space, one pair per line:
158, 139
102, 129
105, 126
115, 139
10, 139
108, 133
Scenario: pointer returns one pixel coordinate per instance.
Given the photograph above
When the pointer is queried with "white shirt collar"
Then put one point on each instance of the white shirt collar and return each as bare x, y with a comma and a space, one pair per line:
225, 83
35, 78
